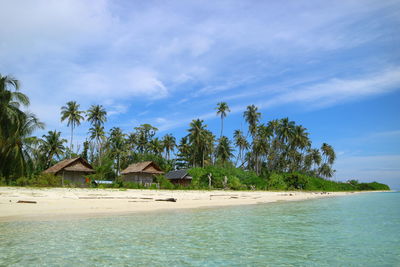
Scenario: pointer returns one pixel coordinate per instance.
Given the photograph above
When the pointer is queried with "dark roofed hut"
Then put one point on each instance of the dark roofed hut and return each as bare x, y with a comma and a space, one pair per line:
142, 172
73, 170
179, 177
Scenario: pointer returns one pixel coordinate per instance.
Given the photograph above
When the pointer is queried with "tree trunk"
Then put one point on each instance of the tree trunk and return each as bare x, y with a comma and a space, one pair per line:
222, 126
72, 134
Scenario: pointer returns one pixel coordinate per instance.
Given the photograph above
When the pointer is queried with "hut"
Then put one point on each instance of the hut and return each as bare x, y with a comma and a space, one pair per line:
179, 177
73, 170
142, 172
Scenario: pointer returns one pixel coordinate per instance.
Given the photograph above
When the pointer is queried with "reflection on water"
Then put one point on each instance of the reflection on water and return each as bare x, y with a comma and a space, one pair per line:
354, 230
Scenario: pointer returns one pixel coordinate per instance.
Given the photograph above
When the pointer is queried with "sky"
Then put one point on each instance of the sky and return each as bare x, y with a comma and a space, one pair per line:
331, 66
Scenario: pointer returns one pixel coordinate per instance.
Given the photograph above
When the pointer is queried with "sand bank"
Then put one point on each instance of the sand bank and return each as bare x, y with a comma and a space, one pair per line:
60, 203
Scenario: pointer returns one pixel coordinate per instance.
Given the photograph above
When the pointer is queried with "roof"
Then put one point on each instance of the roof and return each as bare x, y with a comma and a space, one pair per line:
178, 174
75, 164
143, 167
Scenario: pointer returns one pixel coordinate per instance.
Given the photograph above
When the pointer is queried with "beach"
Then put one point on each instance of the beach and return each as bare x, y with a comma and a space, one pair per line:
22, 203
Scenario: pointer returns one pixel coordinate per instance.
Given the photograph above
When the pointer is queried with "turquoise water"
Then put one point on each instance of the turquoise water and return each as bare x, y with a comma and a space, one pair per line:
357, 230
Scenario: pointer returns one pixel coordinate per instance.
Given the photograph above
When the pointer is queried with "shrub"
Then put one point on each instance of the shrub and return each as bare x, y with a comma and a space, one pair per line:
23, 181
164, 182
235, 184
276, 182
296, 180
47, 179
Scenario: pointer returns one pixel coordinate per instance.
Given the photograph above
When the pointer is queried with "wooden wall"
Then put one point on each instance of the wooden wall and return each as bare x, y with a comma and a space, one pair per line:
141, 178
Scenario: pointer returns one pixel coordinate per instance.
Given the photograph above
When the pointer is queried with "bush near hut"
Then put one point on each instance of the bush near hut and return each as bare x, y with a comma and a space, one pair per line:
40, 180
163, 182
237, 179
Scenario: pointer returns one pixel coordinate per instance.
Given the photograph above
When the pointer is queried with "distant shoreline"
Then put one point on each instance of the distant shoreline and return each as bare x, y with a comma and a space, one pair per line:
64, 203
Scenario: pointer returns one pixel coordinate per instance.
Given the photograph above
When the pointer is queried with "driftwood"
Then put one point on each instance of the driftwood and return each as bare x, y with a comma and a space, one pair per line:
26, 201
167, 199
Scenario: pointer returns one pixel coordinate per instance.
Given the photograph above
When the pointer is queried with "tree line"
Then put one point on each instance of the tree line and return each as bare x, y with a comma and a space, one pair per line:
278, 146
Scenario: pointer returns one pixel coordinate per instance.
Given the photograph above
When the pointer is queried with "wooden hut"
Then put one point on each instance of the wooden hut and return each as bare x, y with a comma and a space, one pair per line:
142, 172
73, 170
179, 177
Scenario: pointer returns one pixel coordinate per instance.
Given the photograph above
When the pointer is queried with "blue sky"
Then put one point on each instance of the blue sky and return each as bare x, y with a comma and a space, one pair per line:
332, 66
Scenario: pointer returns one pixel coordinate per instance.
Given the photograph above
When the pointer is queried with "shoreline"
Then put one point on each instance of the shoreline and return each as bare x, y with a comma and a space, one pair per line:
67, 203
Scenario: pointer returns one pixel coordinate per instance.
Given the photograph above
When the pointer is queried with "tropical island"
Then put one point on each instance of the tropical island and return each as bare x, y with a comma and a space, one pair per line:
277, 155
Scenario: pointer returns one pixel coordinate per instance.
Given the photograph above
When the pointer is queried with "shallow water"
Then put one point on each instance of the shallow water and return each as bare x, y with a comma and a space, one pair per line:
357, 230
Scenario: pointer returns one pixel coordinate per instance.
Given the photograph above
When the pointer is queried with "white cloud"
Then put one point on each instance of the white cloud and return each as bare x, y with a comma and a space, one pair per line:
340, 90
117, 84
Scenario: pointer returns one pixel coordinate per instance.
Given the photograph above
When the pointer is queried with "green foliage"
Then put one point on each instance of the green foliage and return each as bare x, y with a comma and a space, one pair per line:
373, 186
296, 181
164, 182
41, 180
236, 178
276, 182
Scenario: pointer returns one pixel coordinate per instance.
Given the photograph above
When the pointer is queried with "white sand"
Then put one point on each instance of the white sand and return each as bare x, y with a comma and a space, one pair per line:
61, 203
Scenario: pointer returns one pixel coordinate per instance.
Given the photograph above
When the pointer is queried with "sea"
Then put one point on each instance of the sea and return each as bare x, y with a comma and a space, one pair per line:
355, 230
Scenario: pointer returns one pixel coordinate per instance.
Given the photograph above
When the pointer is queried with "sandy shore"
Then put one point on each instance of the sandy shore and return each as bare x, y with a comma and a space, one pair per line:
61, 203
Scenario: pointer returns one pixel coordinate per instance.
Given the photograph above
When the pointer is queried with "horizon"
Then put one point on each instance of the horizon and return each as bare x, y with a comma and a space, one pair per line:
332, 67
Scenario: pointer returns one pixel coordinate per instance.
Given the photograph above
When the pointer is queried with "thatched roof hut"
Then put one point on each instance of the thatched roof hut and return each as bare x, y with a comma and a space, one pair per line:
73, 169
179, 177
142, 172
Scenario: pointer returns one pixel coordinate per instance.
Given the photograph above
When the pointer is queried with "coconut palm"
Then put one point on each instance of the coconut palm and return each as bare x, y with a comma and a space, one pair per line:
285, 130
197, 138
241, 143
316, 157
328, 153
16, 149
96, 115
326, 171
224, 149
184, 153
252, 117
74, 116
222, 110
97, 133
156, 146
16, 128
117, 145
52, 145
169, 143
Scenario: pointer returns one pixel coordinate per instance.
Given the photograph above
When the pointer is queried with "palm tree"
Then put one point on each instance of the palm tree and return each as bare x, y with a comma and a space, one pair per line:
11, 99
16, 128
222, 109
316, 157
16, 149
97, 133
52, 146
241, 143
326, 171
184, 153
117, 145
197, 138
328, 153
285, 130
156, 146
169, 143
96, 115
252, 117
224, 149
73, 114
